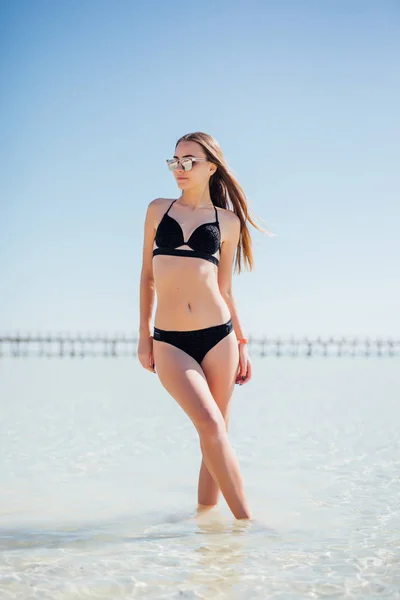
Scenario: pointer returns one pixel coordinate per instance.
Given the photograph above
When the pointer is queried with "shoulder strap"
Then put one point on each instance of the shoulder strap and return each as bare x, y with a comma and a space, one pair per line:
216, 214
170, 206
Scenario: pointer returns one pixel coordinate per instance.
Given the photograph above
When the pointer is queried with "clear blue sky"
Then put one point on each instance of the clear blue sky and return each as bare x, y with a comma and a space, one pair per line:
304, 99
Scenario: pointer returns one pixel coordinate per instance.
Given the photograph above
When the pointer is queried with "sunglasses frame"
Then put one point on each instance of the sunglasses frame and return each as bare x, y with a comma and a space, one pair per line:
192, 159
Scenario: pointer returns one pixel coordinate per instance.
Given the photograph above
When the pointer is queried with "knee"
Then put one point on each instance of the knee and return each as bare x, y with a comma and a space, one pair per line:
211, 425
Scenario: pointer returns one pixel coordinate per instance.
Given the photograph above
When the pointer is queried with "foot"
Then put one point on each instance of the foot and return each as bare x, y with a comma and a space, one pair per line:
204, 508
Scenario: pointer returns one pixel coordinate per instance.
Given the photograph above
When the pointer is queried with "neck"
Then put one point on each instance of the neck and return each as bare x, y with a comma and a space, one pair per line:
196, 198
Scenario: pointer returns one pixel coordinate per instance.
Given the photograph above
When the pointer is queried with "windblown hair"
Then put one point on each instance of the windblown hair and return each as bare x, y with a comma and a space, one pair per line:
226, 192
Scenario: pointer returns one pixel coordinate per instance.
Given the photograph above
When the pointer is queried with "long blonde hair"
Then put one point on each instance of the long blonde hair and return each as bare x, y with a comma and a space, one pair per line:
226, 192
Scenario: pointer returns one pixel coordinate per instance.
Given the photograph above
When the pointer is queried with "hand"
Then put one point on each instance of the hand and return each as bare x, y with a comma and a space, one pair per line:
145, 352
244, 369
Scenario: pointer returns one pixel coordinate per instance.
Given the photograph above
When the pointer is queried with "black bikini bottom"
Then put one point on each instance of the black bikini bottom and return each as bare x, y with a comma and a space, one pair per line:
196, 342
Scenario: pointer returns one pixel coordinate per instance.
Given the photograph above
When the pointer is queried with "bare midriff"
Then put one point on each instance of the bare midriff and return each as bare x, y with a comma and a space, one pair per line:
188, 295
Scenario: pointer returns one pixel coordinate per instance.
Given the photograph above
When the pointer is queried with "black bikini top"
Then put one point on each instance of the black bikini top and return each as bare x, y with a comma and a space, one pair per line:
205, 240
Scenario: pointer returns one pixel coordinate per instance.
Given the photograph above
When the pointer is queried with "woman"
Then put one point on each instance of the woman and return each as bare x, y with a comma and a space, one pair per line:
198, 346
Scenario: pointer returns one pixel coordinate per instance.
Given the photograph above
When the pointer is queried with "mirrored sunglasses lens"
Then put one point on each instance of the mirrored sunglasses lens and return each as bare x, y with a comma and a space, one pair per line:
172, 164
187, 164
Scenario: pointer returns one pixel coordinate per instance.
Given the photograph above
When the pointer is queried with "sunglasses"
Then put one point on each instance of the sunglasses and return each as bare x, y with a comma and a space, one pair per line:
186, 163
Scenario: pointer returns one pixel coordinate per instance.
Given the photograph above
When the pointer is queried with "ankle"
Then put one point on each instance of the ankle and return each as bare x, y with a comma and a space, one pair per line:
205, 507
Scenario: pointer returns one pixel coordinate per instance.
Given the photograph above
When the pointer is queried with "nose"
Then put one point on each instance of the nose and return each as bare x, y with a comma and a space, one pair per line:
179, 169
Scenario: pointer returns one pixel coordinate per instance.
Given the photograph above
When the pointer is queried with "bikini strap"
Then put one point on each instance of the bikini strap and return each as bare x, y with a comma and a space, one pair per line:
170, 205
216, 214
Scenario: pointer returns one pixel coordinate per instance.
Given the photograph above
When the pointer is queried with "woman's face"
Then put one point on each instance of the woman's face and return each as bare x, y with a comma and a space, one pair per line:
201, 171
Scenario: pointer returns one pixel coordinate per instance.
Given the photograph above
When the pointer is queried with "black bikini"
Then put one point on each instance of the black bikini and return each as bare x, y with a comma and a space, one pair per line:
195, 342
205, 241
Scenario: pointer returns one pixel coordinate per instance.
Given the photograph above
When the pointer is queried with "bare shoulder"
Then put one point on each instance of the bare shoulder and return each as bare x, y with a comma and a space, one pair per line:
159, 203
229, 219
157, 207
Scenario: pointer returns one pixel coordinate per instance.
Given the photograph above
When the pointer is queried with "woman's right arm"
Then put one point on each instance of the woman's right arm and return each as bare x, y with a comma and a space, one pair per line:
147, 291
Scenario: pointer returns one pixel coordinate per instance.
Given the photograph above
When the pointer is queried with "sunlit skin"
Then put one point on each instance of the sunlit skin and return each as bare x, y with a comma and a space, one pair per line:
193, 293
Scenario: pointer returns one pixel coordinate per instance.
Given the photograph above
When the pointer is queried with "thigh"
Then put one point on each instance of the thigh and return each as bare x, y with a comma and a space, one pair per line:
184, 379
220, 367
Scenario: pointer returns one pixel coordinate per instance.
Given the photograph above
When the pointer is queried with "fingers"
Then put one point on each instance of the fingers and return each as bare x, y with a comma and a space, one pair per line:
147, 362
244, 373
241, 372
151, 364
247, 376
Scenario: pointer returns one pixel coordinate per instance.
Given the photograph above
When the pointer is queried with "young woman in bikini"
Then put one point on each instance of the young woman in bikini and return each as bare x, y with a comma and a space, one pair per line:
197, 347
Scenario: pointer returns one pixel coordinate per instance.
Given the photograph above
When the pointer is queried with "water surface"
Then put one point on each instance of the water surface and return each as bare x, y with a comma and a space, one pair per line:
99, 470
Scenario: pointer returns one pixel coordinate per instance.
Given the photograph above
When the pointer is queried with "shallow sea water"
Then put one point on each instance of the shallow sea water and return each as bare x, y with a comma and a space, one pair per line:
98, 478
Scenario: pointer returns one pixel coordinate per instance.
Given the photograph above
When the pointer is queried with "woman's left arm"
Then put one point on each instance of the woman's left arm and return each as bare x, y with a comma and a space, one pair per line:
228, 250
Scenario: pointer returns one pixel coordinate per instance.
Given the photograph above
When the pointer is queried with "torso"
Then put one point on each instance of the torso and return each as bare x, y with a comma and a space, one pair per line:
188, 295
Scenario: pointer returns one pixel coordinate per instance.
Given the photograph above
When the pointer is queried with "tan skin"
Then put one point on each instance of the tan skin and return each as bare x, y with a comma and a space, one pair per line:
193, 293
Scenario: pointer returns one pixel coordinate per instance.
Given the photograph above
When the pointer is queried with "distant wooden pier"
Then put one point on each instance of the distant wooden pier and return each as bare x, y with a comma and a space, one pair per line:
114, 346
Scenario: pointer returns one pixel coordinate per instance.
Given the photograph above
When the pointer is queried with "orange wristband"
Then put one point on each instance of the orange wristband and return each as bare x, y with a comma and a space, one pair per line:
243, 341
